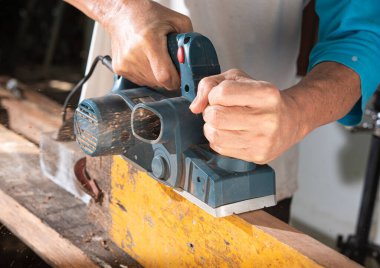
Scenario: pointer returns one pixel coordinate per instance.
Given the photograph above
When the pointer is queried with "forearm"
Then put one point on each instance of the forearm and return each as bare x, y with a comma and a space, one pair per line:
92, 8
324, 95
102, 10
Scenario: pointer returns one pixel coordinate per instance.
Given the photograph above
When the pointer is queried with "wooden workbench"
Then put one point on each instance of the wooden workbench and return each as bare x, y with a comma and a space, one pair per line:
145, 220
45, 217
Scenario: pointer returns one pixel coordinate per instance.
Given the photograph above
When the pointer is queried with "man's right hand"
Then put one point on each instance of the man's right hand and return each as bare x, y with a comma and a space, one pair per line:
138, 30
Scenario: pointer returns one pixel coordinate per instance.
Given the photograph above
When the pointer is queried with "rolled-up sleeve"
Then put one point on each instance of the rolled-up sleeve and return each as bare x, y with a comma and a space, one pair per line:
349, 33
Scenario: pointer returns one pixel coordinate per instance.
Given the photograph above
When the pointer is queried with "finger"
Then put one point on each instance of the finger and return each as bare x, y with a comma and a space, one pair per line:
182, 24
123, 66
138, 77
161, 64
168, 76
237, 118
236, 93
204, 87
226, 138
207, 84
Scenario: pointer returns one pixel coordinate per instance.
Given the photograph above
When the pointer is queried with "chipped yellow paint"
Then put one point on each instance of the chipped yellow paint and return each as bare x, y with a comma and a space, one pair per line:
159, 228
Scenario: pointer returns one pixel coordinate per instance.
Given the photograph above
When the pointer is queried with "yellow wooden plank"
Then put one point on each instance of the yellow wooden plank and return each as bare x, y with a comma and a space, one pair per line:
159, 228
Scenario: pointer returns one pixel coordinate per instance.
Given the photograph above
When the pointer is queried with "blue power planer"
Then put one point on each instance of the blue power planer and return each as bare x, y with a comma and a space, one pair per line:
156, 130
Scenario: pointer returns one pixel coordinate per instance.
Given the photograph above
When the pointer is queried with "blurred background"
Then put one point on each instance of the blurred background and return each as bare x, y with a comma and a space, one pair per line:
44, 46
43, 43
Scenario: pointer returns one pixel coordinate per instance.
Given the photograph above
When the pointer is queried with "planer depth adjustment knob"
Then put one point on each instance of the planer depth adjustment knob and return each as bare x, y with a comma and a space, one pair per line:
160, 168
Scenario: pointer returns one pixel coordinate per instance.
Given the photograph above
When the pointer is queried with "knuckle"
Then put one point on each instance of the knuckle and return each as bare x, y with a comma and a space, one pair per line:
183, 23
263, 152
216, 117
213, 136
205, 83
187, 22
273, 95
120, 61
260, 159
117, 67
235, 72
163, 77
224, 88
271, 126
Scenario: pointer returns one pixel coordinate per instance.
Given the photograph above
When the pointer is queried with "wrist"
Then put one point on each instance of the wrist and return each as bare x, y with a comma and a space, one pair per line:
300, 117
324, 95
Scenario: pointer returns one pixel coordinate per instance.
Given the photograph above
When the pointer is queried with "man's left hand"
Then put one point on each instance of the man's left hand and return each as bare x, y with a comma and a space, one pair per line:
246, 118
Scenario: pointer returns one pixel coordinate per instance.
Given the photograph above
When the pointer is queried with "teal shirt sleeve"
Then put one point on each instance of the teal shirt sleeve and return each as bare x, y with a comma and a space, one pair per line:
349, 33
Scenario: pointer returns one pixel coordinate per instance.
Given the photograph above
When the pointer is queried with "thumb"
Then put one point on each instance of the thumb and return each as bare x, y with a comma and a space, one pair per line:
183, 24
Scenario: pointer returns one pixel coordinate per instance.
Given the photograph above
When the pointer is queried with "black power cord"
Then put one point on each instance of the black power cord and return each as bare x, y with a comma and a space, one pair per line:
106, 61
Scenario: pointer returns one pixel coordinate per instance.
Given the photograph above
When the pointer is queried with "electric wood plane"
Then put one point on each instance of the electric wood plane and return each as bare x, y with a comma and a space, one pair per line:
156, 130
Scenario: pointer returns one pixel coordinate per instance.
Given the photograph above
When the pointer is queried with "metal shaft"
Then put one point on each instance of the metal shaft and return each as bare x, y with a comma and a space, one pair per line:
370, 189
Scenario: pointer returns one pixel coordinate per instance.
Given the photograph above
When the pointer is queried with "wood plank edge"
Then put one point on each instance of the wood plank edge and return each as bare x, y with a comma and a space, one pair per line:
37, 234
303, 243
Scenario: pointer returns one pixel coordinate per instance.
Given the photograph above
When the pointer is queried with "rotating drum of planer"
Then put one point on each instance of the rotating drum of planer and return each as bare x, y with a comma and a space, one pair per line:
158, 132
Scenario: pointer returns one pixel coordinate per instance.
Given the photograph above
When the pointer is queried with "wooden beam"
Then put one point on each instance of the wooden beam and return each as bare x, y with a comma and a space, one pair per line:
48, 219
159, 228
31, 115
44, 240
297, 240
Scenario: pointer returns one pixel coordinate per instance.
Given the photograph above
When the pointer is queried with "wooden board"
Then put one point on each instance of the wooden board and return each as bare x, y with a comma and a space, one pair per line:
297, 240
31, 115
159, 228
48, 219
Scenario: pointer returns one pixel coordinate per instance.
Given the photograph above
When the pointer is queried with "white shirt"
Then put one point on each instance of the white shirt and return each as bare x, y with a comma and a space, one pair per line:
261, 37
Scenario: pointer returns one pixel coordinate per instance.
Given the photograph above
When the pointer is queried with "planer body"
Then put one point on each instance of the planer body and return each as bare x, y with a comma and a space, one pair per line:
156, 130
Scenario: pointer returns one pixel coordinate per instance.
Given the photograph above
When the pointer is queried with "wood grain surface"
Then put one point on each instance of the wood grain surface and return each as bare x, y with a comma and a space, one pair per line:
160, 228
48, 219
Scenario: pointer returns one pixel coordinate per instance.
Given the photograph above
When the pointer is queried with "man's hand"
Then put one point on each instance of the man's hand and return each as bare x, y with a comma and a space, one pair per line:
138, 30
245, 118
255, 121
